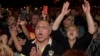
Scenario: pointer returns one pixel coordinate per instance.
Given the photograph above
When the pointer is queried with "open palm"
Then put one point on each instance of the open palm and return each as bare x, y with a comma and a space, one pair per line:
86, 7
65, 9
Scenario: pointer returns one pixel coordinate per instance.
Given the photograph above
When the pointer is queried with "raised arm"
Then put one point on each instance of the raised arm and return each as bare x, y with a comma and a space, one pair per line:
59, 19
14, 38
26, 32
90, 22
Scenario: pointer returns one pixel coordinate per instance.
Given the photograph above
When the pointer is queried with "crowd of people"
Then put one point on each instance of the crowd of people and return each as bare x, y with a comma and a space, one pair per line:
59, 32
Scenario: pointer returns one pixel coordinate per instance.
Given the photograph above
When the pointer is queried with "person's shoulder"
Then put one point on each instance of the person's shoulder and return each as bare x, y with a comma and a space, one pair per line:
58, 47
57, 44
29, 42
87, 34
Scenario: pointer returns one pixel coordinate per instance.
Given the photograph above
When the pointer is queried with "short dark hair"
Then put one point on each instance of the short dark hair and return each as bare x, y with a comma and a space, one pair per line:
21, 35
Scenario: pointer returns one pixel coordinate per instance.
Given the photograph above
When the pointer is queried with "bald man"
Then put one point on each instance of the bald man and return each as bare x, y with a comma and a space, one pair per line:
44, 45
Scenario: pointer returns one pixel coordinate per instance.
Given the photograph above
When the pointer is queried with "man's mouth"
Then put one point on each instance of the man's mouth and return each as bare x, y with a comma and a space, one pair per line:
40, 35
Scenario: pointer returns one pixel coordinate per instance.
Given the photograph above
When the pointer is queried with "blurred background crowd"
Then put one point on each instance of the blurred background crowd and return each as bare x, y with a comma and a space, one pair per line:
25, 18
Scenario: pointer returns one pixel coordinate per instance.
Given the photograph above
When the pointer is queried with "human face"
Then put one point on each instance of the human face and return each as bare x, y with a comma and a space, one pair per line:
42, 31
21, 41
73, 12
68, 21
35, 19
11, 20
72, 33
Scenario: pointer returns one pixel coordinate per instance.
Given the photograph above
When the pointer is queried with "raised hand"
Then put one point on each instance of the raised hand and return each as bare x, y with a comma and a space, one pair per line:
65, 9
86, 7
90, 22
27, 9
34, 52
22, 22
13, 30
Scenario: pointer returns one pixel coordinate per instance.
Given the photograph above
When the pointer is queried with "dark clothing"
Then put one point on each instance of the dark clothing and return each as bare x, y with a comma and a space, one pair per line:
25, 49
80, 44
59, 35
6, 30
94, 47
55, 47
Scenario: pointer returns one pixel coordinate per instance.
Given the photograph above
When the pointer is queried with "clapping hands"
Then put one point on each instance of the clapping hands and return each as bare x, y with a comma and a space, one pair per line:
35, 52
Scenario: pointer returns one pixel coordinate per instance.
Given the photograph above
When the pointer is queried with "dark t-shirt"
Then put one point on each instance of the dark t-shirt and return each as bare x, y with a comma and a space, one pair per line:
80, 44
25, 48
55, 47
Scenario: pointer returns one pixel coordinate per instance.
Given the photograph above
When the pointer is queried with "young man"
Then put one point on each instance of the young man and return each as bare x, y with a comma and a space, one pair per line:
94, 47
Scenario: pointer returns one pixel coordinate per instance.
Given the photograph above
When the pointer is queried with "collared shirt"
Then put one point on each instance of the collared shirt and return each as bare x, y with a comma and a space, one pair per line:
37, 47
49, 42
52, 47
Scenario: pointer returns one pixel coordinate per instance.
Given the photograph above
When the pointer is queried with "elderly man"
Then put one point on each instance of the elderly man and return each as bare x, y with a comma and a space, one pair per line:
44, 45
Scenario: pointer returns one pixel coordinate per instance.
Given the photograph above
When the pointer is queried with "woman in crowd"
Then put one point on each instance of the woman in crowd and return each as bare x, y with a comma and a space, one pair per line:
72, 42
21, 44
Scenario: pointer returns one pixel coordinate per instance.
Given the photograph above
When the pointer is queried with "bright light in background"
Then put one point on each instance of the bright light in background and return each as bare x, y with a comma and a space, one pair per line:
36, 8
21, 8
7, 8
24, 7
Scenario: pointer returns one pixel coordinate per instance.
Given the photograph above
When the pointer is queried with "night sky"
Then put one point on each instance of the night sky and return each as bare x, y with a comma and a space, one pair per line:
52, 3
